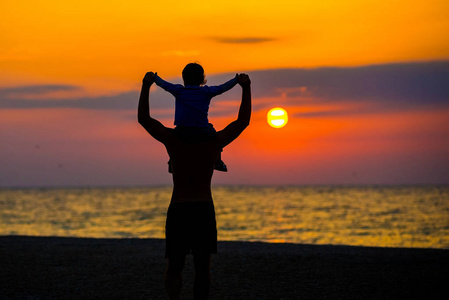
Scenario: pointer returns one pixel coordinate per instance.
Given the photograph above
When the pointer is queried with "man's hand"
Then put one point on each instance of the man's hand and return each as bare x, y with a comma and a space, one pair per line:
149, 78
243, 80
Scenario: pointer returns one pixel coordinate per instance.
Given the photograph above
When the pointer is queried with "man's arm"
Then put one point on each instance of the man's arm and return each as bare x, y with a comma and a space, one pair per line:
153, 126
234, 129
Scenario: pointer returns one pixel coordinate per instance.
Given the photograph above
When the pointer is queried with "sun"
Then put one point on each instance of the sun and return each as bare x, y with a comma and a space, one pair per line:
277, 117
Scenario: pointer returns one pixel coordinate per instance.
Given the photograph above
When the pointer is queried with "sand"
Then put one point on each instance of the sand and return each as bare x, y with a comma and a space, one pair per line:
73, 268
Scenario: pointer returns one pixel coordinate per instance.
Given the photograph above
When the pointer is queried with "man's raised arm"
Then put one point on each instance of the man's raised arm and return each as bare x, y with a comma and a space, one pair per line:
233, 130
153, 126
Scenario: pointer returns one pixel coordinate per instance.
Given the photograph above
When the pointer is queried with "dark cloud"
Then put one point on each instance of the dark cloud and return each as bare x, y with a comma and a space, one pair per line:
392, 85
414, 83
244, 40
127, 100
378, 87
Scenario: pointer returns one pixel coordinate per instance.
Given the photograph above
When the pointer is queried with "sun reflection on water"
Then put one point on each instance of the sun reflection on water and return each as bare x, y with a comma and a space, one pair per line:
368, 216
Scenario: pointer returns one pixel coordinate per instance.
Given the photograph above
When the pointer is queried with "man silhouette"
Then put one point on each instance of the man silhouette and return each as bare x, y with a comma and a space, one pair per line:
190, 225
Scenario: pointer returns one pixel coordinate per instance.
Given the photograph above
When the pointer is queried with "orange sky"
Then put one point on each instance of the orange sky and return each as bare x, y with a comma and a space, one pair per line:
103, 48
107, 45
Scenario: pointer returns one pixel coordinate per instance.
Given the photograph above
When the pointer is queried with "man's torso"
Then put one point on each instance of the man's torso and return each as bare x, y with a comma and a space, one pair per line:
193, 167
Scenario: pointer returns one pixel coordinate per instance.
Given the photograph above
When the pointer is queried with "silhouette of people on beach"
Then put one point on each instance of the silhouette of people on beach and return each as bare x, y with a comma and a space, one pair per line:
192, 102
191, 225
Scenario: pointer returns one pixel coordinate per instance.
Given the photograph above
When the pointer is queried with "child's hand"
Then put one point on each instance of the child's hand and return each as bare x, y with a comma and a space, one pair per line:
243, 80
149, 78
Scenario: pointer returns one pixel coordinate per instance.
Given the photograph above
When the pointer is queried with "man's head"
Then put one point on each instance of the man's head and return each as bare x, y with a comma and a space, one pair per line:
193, 74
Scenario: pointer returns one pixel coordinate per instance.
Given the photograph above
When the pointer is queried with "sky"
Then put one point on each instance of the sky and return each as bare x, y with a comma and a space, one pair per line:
365, 84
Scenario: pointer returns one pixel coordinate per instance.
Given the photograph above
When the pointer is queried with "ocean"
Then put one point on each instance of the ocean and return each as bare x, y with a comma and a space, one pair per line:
382, 216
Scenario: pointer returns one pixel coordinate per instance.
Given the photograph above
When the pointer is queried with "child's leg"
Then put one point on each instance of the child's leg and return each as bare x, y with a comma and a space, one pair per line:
170, 170
220, 165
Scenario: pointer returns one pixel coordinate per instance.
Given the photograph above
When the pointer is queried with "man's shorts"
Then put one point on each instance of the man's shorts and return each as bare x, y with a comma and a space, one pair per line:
190, 228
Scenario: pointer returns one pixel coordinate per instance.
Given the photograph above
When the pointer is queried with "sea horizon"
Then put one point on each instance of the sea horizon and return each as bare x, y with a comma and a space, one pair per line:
343, 185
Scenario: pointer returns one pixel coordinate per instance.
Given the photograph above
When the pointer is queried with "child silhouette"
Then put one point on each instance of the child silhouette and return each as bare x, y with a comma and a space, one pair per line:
192, 102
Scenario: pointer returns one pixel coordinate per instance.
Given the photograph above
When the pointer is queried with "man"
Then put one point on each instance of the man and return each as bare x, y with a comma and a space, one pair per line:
191, 226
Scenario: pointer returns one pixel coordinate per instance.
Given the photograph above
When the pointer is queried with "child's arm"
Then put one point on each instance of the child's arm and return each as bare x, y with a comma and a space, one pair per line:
220, 89
169, 87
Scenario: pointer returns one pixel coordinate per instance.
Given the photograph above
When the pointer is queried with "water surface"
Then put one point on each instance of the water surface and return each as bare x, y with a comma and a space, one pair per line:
406, 216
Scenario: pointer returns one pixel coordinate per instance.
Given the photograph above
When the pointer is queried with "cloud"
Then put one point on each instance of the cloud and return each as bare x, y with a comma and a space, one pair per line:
368, 89
413, 83
242, 40
392, 86
378, 87
34, 90
10, 98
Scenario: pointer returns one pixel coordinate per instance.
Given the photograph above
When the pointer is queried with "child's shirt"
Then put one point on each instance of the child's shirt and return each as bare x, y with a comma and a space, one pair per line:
192, 102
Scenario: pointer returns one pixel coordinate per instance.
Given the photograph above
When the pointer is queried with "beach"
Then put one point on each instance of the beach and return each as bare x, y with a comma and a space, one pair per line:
86, 268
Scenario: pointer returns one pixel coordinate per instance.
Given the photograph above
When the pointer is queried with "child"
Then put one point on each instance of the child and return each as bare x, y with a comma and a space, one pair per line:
192, 105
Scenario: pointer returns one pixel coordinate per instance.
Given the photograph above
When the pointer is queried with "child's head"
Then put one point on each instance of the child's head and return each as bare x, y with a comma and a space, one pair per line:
193, 74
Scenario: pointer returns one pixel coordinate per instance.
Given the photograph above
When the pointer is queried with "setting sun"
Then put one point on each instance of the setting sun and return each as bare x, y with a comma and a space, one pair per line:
277, 117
